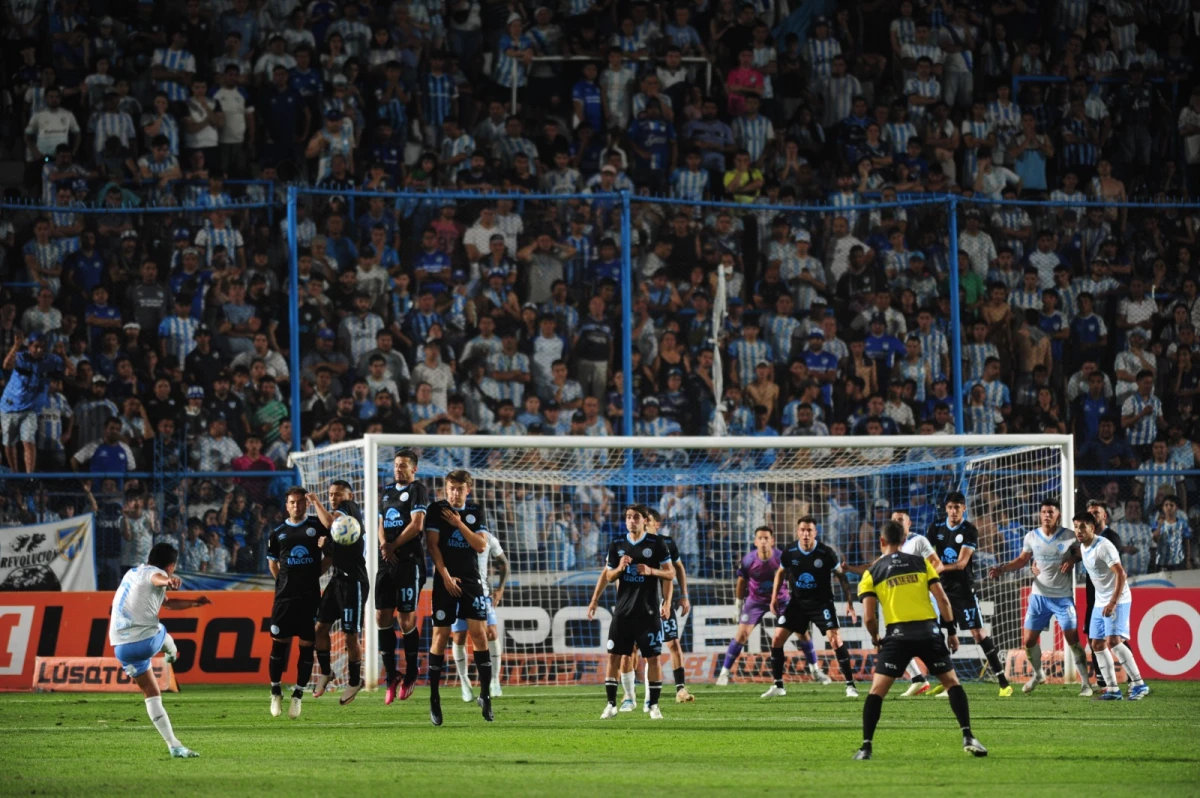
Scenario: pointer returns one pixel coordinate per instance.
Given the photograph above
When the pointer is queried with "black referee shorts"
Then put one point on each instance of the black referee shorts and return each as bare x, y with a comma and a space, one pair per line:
344, 600
472, 605
398, 587
294, 618
895, 653
643, 633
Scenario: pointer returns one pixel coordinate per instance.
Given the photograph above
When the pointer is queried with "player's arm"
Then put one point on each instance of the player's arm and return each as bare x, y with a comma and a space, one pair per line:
415, 527
946, 612
323, 515
685, 606
664, 571
775, 590
1119, 570
668, 592
186, 604
740, 588
1015, 565
871, 616
451, 583
476, 540
1072, 558
273, 565
503, 567
840, 575
962, 563
169, 582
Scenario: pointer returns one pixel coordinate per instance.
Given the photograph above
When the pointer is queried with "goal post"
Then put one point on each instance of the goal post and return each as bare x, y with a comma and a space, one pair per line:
555, 502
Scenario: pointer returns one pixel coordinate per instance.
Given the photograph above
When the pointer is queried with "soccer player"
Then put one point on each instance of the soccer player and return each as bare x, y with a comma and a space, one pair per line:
345, 597
294, 557
456, 531
137, 636
671, 623
494, 595
1109, 630
641, 607
1053, 593
901, 584
755, 578
1099, 511
918, 544
401, 571
810, 568
954, 541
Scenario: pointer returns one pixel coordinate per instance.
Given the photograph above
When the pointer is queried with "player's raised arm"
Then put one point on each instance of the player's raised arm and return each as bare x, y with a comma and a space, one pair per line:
323, 514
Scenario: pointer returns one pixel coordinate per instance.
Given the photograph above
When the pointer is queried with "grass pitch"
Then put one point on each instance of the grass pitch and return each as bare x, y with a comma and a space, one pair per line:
552, 741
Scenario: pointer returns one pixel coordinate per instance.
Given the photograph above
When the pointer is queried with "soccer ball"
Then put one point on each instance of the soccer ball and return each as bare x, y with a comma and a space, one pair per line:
346, 530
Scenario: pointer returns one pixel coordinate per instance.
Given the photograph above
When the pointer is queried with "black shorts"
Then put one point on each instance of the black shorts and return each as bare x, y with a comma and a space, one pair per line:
645, 633
344, 600
472, 605
294, 618
797, 616
670, 627
895, 653
966, 612
398, 587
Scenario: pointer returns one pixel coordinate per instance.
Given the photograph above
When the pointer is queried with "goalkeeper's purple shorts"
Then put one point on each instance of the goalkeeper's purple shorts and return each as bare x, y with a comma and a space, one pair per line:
753, 611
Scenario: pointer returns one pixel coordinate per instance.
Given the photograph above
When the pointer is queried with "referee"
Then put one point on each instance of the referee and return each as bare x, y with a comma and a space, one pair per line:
901, 583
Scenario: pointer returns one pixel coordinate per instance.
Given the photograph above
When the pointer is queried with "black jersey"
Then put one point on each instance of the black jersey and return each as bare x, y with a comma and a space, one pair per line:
949, 545
672, 549
294, 547
638, 595
349, 561
810, 573
397, 506
460, 559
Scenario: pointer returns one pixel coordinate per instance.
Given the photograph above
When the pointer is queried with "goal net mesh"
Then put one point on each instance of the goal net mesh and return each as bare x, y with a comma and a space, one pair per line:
555, 510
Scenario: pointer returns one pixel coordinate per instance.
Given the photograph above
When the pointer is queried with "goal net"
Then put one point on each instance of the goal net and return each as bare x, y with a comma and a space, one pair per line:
556, 502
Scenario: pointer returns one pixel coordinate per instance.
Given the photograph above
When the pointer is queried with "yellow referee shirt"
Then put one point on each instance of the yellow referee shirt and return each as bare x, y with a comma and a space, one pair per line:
900, 582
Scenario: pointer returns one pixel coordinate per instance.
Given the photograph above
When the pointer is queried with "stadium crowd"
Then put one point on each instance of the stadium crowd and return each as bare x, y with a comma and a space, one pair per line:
169, 331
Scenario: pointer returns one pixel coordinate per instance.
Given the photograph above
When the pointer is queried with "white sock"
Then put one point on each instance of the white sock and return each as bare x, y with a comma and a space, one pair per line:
1034, 654
1125, 657
724, 671
158, 716
629, 684
646, 680
460, 663
913, 669
497, 652
1108, 668
1081, 663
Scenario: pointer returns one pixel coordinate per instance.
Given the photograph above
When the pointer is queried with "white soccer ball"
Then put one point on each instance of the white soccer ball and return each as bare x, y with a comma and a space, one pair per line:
346, 530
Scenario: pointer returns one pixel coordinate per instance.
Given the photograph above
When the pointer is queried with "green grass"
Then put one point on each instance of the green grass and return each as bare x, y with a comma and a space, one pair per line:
551, 741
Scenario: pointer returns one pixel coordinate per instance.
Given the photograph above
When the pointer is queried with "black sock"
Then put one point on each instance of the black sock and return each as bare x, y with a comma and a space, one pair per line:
354, 672
304, 666
483, 666
918, 679
436, 661
843, 657
412, 651
387, 650
777, 666
1099, 674
872, 708
610, 690
281, 651
655, 692
958, 703
993, 658
680, 679
323, 662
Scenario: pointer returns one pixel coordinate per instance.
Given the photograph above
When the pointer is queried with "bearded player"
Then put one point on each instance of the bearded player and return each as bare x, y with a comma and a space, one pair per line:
345, 597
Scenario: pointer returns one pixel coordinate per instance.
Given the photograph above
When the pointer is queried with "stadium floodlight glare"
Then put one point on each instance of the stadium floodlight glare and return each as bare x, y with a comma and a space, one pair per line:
555, 502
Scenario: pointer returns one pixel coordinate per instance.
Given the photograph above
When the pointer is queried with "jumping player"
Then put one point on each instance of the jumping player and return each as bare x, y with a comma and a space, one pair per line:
755, 577
901, 584
494, 595
137, 636
1053, 593
954, 541
810, 568
295, 559
639, 562
456, 531
401, 571
345, 597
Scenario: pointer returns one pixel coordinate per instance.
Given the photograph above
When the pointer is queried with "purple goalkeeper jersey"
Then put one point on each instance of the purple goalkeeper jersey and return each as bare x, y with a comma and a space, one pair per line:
760, 576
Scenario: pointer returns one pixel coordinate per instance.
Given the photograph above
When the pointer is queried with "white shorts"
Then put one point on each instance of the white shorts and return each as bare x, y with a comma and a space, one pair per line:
19, 426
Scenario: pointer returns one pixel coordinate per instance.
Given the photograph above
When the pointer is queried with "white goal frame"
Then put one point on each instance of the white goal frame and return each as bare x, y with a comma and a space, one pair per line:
371, 444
